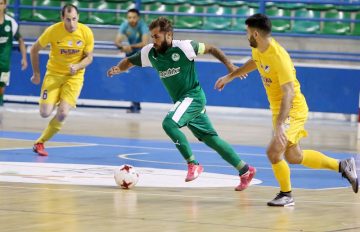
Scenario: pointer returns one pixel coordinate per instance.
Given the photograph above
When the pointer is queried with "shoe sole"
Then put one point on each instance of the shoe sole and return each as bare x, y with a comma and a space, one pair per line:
356, 186
287, 205
40, 154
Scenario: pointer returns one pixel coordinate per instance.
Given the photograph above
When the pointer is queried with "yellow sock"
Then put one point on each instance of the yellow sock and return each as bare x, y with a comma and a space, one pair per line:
315, 159
282, 174
53, 127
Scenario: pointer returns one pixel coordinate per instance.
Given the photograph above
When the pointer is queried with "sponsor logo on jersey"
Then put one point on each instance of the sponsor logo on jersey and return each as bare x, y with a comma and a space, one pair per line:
175, 56
3, 39
170, 72
7, 28
70, 43
266, 81
69, 51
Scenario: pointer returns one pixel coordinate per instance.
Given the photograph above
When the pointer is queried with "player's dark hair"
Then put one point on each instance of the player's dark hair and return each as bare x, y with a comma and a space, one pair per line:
133, 10
162, 22
260, 22
67, 8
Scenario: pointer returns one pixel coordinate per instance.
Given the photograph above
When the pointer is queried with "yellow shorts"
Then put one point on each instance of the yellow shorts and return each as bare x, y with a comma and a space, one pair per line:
294, 126
58, 87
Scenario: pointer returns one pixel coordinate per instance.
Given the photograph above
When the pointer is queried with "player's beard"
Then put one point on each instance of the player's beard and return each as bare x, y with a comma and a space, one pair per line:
253, 42
163, 47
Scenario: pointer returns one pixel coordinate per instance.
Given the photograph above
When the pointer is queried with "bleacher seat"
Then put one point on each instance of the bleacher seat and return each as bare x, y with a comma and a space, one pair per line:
306, 26
159, 8
47, 15
231, 3
320, 7
279, 25
239, 23
290, 6
173, 2
336, 27
189, 21
103, 17
356, 26
26, 14
203, 2
217, 23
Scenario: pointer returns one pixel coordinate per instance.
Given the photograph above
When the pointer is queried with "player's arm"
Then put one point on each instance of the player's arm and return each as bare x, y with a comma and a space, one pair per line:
34, 58
86, 60
22, 48
288, 94
144, 41
218, 54
121, 67
119, 39
240, 72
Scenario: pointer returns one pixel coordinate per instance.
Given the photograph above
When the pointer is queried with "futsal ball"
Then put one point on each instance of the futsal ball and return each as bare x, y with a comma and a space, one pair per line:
126, 176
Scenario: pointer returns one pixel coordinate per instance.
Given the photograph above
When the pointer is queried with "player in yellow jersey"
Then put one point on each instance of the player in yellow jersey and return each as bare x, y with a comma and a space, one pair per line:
72, 45
289, 110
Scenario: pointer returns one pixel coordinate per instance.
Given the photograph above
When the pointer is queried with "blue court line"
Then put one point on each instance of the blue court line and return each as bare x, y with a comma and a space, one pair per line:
163, 154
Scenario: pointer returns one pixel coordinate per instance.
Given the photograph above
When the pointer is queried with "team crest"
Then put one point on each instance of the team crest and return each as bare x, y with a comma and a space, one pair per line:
79, 43
7, 28
267, 69
175, 56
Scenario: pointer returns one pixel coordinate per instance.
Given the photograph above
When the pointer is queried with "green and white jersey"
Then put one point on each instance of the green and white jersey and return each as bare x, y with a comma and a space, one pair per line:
9, 29
176, 67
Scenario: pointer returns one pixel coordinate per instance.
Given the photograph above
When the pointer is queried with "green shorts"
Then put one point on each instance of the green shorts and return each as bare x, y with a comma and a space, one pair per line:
191, 112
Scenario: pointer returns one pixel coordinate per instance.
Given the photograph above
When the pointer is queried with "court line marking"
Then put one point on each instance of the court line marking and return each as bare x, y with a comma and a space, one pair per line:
137, 192
124, 156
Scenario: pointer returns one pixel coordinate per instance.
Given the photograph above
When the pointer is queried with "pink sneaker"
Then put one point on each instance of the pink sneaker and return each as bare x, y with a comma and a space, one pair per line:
40, 149
245, 179
194, 172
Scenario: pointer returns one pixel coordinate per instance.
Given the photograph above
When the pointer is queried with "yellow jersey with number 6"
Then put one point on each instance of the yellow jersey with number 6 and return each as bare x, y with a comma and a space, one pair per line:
276, 68
66, 48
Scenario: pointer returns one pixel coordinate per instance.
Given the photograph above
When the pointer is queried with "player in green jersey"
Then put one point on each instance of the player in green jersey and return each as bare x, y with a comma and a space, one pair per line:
9, 30
174, 61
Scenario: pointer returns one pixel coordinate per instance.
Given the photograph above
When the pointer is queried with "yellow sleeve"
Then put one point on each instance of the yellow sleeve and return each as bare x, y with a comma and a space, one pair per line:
89, 40
284, 68
45, 39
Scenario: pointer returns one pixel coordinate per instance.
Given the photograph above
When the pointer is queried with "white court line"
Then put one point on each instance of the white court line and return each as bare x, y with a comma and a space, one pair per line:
133, 191
124, 156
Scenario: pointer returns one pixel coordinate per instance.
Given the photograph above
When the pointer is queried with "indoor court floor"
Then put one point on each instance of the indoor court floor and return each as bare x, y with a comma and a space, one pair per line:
73, 188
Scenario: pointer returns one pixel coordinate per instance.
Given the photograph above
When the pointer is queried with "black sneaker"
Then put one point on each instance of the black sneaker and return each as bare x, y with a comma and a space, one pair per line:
348, 171
282, 200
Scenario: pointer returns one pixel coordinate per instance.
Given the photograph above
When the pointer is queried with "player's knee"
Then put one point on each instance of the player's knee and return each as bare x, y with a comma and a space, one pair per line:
273, 156
169, 125
61, 115
293, 159
44, 113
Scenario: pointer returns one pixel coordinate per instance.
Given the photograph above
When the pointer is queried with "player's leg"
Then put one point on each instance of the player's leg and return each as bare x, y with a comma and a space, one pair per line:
177, 117
2, 91
281, 171
317, 160
202, 128
280, 167
4, 81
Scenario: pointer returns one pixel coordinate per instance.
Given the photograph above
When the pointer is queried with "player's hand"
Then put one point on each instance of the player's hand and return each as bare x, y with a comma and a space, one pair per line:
74, 68
221, 82
280, 136
24, 64
113, 71
35, 79
126, 49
